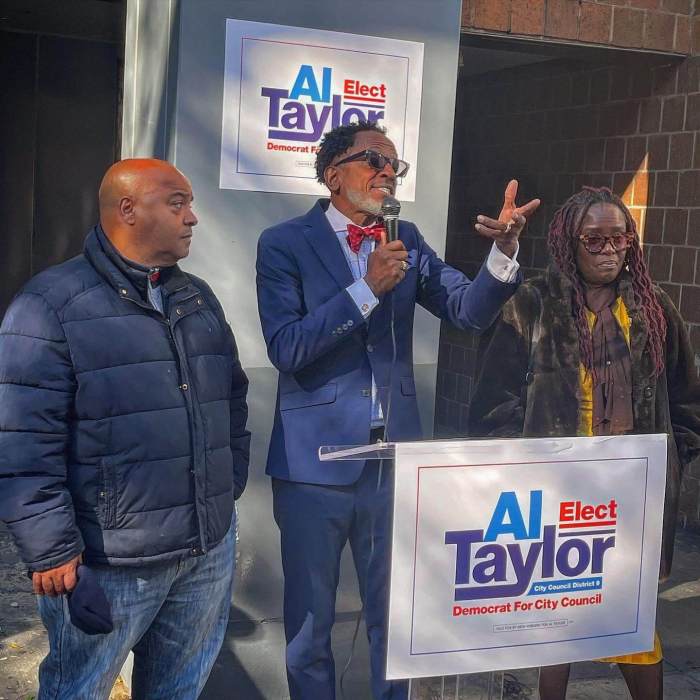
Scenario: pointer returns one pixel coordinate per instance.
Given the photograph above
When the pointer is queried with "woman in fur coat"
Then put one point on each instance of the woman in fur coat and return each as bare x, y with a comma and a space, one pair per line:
592, 347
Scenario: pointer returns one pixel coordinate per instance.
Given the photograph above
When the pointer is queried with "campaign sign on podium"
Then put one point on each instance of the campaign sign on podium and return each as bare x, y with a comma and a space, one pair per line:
520, 553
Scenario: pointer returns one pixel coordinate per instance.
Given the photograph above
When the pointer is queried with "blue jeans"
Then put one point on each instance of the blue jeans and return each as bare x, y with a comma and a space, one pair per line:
172, 615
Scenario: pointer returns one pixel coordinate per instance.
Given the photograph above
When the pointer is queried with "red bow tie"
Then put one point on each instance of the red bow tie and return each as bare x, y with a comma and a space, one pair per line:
356, 234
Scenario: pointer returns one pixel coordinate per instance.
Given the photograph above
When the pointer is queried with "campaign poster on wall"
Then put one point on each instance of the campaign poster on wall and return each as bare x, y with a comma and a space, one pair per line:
284, 87
519, 553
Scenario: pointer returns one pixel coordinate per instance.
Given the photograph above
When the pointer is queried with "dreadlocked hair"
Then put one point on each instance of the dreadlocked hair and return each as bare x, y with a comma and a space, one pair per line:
563, 239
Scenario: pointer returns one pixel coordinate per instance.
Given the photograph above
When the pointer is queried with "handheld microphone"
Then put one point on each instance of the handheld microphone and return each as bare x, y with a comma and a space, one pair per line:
390, 212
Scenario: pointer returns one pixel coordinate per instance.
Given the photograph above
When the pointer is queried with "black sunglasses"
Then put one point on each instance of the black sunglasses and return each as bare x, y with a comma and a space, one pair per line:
378, 161
595, 243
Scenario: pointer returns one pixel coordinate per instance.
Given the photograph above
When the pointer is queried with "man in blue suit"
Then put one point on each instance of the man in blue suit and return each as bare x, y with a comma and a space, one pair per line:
327, 282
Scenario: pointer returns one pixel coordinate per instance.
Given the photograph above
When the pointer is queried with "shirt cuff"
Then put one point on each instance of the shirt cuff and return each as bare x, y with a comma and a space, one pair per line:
502, 267
363, 297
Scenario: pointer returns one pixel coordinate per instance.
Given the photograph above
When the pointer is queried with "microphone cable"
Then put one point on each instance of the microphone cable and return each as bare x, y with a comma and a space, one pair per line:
373, 523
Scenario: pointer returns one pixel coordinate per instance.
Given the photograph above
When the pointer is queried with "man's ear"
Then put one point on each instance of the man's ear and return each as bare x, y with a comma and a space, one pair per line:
126, 210
332, 178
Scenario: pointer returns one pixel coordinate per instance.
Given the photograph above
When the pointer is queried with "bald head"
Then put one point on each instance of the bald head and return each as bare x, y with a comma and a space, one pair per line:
145, 210
131, 178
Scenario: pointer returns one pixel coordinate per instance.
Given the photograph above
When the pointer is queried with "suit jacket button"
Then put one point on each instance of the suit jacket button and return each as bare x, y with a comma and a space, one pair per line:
366, 392
370, 347
648, 392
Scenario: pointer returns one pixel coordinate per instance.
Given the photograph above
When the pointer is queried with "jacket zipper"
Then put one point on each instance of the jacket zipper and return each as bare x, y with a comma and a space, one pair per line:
185, 388
189, 402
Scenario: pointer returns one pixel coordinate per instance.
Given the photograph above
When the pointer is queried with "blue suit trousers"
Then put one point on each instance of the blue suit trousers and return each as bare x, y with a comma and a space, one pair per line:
315, 522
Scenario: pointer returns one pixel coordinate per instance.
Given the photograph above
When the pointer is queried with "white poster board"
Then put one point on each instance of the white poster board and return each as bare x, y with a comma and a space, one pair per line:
284, 87
521, 553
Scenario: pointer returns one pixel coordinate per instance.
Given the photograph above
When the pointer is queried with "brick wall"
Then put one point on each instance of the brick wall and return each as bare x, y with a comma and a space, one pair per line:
658, 25
557, 126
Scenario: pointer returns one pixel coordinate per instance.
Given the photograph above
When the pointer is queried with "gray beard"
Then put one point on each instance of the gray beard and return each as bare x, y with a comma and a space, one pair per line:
365, 204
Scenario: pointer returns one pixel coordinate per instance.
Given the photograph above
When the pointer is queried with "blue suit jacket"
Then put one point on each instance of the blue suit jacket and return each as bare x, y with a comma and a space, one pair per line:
326, 352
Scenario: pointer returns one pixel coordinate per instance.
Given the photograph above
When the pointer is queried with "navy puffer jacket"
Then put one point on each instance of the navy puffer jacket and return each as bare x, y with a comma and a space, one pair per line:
122, 431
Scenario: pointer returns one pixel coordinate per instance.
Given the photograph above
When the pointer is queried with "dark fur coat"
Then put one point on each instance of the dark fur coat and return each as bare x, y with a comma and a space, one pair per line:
527, 380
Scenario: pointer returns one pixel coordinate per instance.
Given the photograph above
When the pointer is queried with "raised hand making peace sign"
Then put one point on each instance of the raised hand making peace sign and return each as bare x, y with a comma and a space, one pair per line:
511, 221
